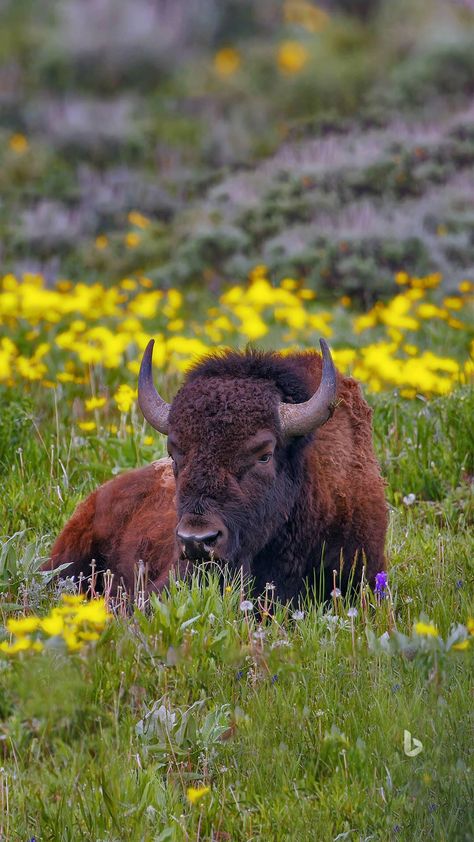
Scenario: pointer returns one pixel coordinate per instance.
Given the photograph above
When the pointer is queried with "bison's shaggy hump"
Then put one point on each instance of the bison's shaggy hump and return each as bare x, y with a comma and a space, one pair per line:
290, 508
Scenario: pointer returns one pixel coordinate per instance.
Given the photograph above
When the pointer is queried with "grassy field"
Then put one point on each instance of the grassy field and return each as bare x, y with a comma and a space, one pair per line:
197, 718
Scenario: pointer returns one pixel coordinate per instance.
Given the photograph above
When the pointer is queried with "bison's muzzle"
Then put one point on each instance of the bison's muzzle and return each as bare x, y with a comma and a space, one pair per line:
201, 541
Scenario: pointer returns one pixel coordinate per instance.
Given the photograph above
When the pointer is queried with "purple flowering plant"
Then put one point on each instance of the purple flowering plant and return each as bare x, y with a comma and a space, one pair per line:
381, 584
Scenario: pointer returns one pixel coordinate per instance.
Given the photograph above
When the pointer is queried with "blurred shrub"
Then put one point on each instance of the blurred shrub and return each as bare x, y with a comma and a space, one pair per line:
363, 9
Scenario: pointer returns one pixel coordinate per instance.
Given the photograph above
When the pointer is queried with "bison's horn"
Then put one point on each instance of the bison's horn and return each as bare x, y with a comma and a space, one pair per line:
301, 418
154, 408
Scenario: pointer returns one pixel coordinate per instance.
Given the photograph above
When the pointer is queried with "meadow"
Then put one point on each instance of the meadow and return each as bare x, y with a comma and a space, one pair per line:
200, 715
215, 175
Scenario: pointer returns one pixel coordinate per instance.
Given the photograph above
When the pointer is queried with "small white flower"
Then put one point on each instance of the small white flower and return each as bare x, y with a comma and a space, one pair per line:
259, 634
280, 642
336, 593
297, 615
212, 618
246, 605
270, 586
352, 612
409, 499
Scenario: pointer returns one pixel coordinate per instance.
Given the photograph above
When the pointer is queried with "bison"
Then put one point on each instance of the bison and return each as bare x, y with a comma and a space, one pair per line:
271, 469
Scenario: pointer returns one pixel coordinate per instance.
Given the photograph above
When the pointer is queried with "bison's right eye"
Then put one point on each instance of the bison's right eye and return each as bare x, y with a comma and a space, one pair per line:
265, 458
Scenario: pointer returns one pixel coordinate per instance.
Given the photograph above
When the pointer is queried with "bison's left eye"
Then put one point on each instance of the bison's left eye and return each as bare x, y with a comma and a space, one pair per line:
265, 458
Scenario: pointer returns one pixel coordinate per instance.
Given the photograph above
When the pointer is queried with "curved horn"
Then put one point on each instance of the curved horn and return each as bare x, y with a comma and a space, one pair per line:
154, 408
301, 418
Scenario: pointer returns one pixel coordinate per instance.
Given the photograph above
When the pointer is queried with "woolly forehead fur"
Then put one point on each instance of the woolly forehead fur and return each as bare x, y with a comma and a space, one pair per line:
233, 395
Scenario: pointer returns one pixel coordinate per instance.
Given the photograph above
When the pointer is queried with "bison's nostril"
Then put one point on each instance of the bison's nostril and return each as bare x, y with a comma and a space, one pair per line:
208, 538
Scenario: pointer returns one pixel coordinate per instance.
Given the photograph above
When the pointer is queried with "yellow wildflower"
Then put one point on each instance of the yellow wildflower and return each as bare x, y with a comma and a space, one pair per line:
72, 642
22, 625
72, 599
430, 311
402, 278
64, 285
88, 635
18, 143
53, 625
93, 612
145, 305
292, 57
462, 645
125, 397
289, 283
136, 218
21, 644
426, 629
175, 299
227, 61
453, 302
94, 403
175, 325
87, 426
252, 326
365, 321
194, 794
128, 284
132, 239
101, 242
470, 625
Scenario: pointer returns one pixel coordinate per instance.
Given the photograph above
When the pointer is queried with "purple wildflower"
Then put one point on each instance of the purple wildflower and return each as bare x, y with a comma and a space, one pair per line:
381, 583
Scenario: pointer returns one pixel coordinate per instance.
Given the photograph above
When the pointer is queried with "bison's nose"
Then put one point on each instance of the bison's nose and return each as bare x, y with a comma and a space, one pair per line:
198, 537
199, 543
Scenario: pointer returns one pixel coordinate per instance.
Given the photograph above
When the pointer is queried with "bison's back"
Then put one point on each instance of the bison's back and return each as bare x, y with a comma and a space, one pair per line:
130, 518
347, 489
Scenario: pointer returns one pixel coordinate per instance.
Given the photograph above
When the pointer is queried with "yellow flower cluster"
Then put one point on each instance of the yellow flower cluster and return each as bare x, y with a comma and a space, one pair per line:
226, 61
426, 629
194, 794
423, 629
305, 14
76, 621
292, 57
63, 333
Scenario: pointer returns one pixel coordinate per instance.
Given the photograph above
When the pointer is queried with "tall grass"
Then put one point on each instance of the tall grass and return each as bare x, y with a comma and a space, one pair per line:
296, 721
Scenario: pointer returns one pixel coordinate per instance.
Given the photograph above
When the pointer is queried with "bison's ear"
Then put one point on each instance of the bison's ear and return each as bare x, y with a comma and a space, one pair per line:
302, 418
154, 408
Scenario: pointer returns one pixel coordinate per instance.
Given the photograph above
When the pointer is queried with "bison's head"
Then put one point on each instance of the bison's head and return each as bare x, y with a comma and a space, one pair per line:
237, 452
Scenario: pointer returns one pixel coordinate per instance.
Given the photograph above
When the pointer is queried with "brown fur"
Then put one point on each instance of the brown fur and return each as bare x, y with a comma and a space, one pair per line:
130, 518
320, 503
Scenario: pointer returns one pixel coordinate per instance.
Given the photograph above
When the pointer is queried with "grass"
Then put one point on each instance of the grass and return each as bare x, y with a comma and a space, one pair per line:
295, 725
